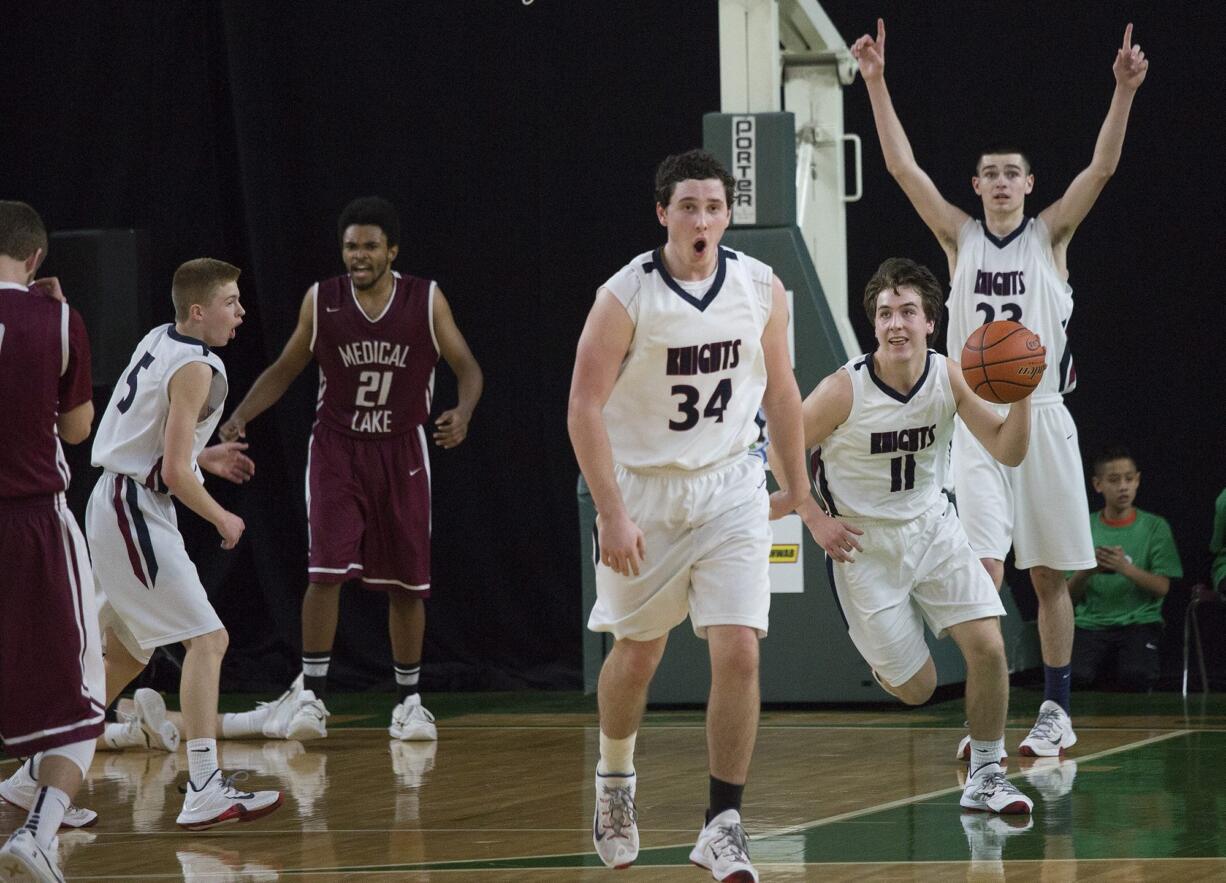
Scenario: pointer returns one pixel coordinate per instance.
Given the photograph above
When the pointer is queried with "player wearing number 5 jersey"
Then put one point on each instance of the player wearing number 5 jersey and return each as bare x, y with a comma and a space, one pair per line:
376, 335
151, 445
1011, 266
679, 351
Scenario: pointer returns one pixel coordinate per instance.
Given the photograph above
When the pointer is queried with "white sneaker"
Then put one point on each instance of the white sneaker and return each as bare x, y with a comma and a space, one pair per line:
219, 802
989, 791
158, 732
1052, 776
411, 722
295, 714
723, 849
21, 858
964, 751
1051, 733
20, 789
615, 826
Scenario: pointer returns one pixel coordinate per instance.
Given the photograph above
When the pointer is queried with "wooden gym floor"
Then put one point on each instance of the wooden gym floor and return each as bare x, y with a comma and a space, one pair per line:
835, 794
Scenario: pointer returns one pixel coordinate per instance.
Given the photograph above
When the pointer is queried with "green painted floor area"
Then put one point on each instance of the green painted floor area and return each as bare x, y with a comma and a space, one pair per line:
1165, 799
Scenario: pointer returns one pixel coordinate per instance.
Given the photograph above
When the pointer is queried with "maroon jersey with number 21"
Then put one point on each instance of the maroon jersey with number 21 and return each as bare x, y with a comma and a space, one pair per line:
376, 375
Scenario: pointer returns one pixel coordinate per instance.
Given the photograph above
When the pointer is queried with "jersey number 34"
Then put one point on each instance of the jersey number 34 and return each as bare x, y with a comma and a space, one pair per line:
715, 407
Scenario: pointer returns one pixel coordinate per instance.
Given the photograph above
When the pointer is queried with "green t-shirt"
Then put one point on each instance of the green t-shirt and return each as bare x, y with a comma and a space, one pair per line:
1217, 545
1112, 600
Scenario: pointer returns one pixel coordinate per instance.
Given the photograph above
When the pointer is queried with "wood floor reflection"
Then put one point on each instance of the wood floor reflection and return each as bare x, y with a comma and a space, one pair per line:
833, 796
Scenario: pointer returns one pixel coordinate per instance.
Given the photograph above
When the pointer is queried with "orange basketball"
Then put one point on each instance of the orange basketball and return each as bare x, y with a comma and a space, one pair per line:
1003, 361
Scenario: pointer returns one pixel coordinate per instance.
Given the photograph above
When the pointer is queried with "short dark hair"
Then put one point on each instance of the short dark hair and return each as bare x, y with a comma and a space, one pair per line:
1001, 147
1109, 453
197, 281
374, 211
21, 230
897, 272
693, 165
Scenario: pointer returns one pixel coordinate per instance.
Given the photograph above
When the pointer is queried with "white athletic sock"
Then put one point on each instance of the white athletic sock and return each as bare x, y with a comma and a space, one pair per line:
50, 804
235, 725
984, 752
201, 760
616, 755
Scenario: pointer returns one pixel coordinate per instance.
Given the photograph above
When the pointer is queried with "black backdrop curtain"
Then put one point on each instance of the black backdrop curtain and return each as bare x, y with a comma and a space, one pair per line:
518, 141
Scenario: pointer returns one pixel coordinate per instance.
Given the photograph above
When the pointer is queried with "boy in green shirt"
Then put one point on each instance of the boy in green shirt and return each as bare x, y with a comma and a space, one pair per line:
1119, 603
1217, 543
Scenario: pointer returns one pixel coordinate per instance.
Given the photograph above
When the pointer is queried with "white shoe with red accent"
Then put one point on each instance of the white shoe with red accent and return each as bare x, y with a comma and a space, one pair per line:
723, 849
20, 789
987, 790
615, 827
1051, 733
219, 802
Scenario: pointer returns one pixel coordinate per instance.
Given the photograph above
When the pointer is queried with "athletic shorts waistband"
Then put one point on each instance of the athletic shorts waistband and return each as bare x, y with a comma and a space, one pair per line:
679, 472
41, 502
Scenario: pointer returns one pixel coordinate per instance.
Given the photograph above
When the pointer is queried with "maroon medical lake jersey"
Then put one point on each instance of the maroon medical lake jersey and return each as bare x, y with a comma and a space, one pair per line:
376, 375
44, 372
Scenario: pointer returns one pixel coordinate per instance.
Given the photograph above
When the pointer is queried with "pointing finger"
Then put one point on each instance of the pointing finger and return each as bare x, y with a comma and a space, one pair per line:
881, 33
1128, 36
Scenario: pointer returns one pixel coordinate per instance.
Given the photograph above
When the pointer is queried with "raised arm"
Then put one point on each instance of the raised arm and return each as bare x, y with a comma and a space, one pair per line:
1066, 213
276, 378
453, 424
1006, 438
942, 217
781, 403
188, 390
602, 347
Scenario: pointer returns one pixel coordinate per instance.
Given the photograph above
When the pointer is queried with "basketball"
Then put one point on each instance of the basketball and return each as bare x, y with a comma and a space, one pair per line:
1003, 361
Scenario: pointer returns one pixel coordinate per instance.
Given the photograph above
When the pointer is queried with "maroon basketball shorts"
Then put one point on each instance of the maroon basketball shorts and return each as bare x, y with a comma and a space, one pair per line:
368, 510
52, 689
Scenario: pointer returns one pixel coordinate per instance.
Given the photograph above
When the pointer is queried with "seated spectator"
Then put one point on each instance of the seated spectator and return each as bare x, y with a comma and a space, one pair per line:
1217, 544
1119, 603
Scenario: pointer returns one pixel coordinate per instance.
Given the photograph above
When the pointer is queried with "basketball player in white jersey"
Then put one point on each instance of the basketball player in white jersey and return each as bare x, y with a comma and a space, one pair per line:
150, 443
680, 348
1014, 266
878, 428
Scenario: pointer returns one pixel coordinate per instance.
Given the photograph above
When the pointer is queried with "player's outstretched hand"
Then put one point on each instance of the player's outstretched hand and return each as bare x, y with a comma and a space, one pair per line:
50, 286
1130, 63
452, 428
231, 529
233, 429
870, 53
622, 545
228, 460
836, 538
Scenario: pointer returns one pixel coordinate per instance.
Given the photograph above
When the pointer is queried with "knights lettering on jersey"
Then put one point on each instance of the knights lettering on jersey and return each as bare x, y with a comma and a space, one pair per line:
1015, 278
376, 373
884, 460
707, 337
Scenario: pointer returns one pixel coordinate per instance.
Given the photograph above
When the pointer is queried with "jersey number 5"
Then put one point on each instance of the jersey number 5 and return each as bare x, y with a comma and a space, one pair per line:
370, 383
716, 405
145, 361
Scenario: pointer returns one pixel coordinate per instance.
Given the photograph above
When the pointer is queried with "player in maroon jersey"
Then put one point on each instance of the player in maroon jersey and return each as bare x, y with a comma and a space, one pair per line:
51, 680
377, 335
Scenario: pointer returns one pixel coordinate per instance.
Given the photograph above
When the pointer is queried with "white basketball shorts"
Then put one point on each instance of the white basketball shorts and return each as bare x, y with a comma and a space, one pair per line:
708, 543
1039, 507
149, 593
910, 573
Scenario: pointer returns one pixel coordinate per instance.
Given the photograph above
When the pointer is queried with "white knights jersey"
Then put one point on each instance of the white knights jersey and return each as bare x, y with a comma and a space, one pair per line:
132, 434
1013, 278
886, 460
692, 381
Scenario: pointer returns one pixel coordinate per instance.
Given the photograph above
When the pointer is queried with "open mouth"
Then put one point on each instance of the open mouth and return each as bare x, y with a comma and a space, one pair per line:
700, 246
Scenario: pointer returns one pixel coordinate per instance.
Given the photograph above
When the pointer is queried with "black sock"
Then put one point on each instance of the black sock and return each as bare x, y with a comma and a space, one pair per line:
407, 675
724, 795
315, 672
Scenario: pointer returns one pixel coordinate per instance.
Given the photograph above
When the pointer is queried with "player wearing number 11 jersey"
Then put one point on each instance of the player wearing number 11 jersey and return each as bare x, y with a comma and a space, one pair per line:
377, 336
